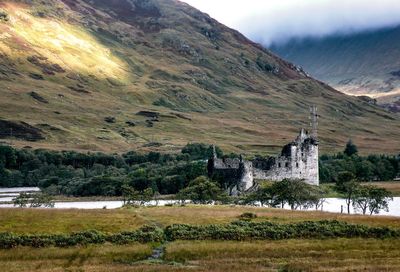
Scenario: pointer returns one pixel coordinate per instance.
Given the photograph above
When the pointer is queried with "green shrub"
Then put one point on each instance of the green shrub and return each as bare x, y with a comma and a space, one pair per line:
146, 234
247, 216
244, 230
235, 231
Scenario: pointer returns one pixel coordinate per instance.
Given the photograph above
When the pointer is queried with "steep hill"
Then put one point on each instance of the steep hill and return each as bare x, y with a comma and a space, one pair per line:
117, 75
366, 63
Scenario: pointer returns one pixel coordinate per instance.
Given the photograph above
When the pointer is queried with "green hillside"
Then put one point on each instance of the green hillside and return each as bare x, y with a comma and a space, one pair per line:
366, 63
117, 75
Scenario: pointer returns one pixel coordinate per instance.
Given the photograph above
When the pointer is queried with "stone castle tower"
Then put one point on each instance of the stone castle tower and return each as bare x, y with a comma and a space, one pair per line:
298, 160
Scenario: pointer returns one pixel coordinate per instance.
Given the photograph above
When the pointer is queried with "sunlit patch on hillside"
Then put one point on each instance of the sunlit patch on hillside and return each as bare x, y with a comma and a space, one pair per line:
62, 43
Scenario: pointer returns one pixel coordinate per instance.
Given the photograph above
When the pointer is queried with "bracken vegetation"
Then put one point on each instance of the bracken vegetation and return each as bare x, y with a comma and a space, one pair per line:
145, 234
236, 231
243, 230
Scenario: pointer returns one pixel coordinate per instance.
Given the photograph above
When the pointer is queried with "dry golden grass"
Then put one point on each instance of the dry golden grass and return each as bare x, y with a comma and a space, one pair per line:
289, 255
393, 187
92, 258
225, 214
66, 221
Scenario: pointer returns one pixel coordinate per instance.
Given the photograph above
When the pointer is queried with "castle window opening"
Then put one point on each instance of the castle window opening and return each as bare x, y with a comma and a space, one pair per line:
279, 165
286, 164
297, 164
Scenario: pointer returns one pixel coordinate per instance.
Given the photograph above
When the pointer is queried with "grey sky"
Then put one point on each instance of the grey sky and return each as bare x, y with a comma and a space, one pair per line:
267, 21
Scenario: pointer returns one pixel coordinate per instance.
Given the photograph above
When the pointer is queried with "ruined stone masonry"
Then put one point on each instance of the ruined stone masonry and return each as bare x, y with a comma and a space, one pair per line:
298, 160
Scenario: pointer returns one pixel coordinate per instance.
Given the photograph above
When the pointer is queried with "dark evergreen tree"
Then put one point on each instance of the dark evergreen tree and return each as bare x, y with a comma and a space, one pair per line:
351, 148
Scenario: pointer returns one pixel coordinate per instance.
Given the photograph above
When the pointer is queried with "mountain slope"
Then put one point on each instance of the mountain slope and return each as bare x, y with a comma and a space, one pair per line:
365, 63
115, 75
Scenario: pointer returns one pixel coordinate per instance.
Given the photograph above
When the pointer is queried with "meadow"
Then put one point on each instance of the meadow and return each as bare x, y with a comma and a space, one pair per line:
287, 255
340, 254
393, 187
45, 221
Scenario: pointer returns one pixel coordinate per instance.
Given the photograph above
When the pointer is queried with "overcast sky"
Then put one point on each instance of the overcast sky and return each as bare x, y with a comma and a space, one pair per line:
268, 21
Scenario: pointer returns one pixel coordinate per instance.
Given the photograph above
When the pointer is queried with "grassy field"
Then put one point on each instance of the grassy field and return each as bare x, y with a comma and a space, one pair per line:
284, 255
60, 221
91, 258
289, 255
392, 186
34, 221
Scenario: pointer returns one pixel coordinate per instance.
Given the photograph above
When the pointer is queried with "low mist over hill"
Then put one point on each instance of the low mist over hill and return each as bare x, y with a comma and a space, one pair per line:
366, 63
116, 75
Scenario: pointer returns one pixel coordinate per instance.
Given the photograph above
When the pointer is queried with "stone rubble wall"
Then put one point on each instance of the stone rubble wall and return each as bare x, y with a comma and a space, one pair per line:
299, 160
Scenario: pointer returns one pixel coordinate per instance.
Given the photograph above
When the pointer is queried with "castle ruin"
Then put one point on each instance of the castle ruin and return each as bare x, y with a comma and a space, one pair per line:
298, 160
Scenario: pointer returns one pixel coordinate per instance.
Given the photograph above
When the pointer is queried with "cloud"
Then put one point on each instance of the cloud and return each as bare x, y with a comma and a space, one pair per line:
276, 21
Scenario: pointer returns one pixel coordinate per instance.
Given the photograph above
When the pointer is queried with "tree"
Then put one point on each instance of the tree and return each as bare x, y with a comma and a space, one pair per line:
146, 196
201, 151
34, 200
22, 200
7, 156
101, 185
295, 192
201, 191
132, 196
127, 193
264, 195
318, 197
385, 170
156, 197
365, 170
351, 149
372, 198
348, 186
361, 199
38, 200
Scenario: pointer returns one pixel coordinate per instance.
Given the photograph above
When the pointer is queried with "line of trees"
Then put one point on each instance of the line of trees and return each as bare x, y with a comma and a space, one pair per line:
363, 168
97, 174
34, 200
363, 198
296, 193
293, 192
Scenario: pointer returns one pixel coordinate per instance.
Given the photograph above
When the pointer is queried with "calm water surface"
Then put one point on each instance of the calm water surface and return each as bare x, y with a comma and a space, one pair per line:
330, 205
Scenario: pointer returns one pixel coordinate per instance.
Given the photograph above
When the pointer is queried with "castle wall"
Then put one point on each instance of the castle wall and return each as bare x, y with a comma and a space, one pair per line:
302, 163
298, 160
